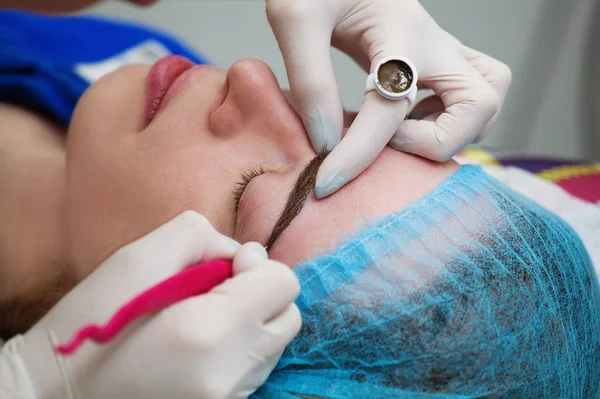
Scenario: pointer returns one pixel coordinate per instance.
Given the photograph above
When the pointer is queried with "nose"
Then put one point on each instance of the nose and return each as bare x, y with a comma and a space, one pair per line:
256, 104
254, 86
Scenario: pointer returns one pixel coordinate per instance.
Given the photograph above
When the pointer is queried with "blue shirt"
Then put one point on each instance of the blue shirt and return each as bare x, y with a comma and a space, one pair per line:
47, 62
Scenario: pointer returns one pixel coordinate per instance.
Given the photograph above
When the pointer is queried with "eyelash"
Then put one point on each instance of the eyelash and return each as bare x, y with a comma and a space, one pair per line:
240, 187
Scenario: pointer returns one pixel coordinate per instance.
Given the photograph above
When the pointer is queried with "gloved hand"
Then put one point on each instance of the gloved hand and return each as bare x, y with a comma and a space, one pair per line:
470, 87
223, 344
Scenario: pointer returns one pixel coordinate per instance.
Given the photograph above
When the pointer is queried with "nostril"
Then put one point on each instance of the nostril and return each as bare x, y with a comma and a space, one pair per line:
227, 119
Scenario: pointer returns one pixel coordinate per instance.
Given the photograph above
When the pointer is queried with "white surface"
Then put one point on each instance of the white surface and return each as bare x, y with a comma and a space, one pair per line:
545, 42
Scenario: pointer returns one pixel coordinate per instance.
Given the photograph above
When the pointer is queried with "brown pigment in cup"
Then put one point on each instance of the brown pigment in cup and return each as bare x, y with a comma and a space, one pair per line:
395, 76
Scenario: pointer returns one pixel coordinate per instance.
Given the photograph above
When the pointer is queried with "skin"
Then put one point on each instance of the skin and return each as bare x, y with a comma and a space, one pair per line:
122, 178
32, 184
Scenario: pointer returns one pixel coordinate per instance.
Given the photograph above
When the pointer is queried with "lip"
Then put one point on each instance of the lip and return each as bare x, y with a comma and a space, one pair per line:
161, 77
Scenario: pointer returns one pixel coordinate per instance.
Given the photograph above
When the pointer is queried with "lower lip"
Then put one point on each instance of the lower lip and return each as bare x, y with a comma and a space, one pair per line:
161, 77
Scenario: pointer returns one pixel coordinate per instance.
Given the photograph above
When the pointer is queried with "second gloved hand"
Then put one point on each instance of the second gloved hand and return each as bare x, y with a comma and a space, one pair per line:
223, 344
470, 87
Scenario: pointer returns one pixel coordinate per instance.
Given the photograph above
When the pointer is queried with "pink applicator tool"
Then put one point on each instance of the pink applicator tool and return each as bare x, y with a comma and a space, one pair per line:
193, 281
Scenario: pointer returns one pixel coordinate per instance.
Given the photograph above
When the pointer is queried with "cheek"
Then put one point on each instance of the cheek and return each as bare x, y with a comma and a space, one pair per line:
117, 196
113, 106
108, 202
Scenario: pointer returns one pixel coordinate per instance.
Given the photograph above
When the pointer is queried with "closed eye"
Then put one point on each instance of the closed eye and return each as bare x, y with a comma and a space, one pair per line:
240, 186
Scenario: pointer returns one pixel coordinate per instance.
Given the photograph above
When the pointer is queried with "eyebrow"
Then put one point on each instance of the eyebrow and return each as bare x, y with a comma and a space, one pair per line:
295, 202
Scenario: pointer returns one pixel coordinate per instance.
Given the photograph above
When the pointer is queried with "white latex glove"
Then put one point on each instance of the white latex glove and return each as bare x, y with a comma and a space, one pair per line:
470, 87
223, 344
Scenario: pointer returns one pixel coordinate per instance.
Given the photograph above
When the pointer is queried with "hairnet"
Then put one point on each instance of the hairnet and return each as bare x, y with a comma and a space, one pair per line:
471, 292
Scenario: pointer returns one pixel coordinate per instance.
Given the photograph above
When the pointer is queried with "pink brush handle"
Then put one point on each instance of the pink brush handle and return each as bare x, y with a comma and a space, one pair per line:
195, 280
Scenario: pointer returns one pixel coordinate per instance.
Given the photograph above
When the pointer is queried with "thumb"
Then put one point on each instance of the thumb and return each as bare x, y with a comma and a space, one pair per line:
248, 256
305, 44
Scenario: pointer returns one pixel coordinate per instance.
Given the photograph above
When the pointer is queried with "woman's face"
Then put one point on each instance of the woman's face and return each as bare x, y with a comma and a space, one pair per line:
147, 143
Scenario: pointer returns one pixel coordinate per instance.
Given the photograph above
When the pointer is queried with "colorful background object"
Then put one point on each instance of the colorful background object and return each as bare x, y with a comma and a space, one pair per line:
579, 178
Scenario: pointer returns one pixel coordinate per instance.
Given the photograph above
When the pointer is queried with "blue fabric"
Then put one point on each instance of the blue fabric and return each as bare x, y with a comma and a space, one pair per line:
471, 292
38, 55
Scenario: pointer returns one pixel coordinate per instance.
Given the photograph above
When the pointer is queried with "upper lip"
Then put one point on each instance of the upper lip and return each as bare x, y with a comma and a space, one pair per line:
160, 78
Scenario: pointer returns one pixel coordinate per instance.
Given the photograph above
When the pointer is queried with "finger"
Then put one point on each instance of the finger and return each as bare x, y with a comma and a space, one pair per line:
496, 73
281, 330
257, 377
375, 123
250, 255
349, 118
306, 49
262, 292
470, 103
429, 109
285, 325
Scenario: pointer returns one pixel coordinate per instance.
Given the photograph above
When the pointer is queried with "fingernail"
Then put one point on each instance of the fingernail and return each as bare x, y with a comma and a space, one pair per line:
329, 184
317, 134
323, 134
257, 248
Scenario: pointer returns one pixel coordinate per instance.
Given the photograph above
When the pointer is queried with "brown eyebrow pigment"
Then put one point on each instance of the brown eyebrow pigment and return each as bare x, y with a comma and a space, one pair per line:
304, 185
